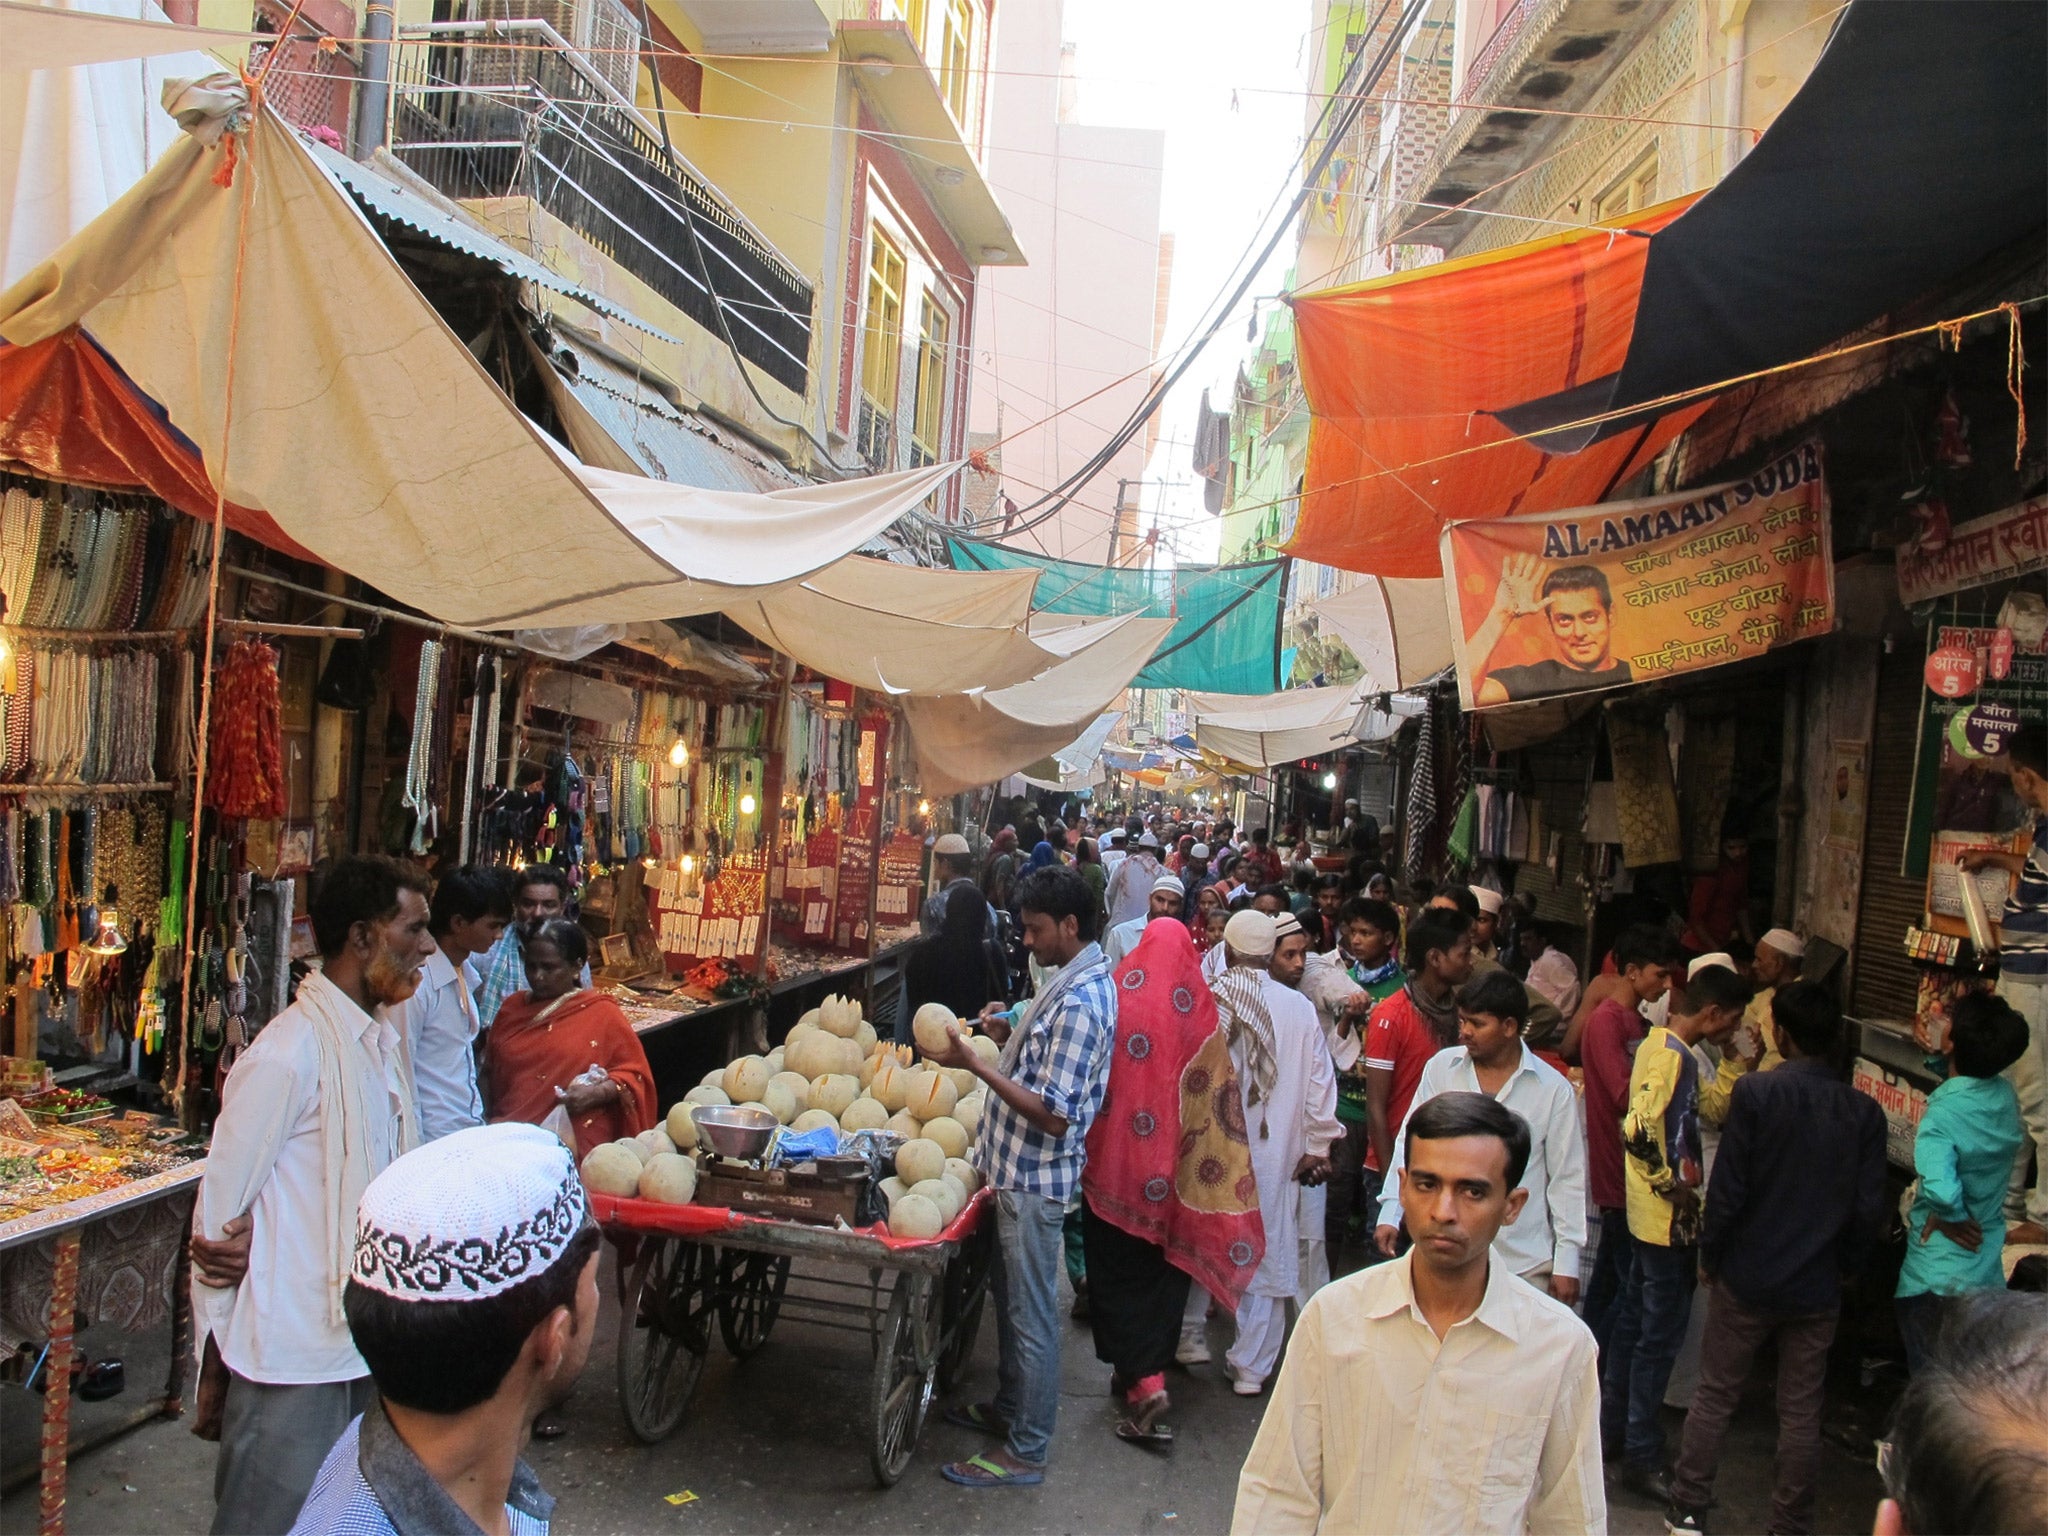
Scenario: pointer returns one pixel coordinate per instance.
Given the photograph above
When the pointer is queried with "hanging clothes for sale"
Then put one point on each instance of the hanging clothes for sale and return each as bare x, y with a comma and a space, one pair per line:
1421, 800
1645, 800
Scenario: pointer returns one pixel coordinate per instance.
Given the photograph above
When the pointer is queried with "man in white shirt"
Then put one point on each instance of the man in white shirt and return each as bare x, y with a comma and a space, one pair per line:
1290, 1111
1165, 903
314, 1110
468, 914
1436, 1393
1113, 851
1542, 1244
1130, 886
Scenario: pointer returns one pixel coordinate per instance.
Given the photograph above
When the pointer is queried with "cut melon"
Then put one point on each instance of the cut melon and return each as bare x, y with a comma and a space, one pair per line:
746, 1080
929, 1093
833, 1092
890, 1084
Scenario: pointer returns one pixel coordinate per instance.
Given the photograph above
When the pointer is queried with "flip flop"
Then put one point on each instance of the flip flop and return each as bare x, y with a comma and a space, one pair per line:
1141, 1424
981, 1472
978, 1416
550, 1426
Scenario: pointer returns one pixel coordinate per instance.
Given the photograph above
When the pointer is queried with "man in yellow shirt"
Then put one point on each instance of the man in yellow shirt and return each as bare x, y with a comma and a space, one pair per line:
1779, 955
1662, 1171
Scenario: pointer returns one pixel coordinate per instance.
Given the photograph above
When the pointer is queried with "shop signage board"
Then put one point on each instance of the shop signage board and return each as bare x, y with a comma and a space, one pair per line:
1902, 1102
1638, 591
1984, 550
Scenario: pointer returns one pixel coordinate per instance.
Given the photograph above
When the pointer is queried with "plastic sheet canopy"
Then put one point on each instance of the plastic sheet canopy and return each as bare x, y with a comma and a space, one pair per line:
1226, 631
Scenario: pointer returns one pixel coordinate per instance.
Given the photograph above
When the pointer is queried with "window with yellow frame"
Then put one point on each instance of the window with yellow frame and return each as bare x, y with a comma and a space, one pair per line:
881, 353
956, 55
1633, 192
935, 331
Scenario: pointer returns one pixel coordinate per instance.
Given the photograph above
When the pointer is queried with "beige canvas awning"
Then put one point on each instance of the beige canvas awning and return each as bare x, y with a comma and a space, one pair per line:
1265, 730
975, 739
66, 37
1397, 628
366, 429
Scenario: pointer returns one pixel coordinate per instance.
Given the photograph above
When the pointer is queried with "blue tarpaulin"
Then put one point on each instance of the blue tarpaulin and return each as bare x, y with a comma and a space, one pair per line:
1226, 635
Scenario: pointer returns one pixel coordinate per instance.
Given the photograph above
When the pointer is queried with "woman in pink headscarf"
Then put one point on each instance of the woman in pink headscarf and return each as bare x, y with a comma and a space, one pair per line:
1167, 1194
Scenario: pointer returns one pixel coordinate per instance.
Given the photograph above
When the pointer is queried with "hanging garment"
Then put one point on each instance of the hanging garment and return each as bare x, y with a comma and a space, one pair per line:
1421, 817
1645, 802
246, 774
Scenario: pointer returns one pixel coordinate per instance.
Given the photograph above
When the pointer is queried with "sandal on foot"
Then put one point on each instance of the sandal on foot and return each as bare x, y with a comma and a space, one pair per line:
1141, 1424
986, 1472
550, 1426
981, 1416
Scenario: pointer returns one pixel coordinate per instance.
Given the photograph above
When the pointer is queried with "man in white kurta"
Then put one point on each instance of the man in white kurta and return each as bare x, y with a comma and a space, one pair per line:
1290, 1099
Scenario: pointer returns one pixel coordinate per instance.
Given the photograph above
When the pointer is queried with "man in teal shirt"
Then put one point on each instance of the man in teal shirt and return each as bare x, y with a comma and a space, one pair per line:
1963, 1153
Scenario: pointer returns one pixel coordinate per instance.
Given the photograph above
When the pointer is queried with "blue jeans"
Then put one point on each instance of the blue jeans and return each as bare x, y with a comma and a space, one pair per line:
1648, 1331
1026, 1280
1602, 1298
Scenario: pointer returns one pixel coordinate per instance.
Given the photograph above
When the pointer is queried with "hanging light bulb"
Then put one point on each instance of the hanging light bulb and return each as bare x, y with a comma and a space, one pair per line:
924, 807
688, 863
747, 804
679, 754
108, 940
1329, 781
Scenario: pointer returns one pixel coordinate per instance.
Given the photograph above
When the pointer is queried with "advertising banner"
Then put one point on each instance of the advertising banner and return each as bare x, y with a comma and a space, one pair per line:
1635, 591
1975, 554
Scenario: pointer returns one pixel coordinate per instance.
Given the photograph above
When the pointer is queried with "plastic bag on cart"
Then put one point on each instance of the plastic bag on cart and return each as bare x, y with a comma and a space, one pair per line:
793, 1147
878, 1150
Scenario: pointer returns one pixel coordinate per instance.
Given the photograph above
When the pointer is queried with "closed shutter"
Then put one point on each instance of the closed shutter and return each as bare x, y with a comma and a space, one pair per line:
1885, 983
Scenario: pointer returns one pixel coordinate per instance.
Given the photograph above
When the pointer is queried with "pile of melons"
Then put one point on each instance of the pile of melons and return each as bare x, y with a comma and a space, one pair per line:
832, 1073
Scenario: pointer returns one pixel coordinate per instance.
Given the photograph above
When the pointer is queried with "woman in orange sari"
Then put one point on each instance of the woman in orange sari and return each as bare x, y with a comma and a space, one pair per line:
554, 1032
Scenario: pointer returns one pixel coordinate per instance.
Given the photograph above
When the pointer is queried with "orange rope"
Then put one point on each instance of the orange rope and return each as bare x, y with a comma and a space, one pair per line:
2015, 373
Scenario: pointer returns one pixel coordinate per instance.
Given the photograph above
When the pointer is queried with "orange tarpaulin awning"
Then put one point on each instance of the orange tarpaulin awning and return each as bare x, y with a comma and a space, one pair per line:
1400, 374
68, 413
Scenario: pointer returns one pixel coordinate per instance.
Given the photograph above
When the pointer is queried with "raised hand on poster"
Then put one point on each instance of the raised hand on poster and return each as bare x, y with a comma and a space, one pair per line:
1520, 578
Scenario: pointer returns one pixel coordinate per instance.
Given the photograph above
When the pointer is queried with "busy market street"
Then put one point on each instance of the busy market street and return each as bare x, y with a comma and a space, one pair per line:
1023, 766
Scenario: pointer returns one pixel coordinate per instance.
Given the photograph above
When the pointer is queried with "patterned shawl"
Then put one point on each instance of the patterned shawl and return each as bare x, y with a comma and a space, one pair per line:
1168, 1159
1241, 1004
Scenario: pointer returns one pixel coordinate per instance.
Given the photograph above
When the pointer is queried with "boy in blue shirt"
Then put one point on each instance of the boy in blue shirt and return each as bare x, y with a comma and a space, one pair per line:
1963, 1153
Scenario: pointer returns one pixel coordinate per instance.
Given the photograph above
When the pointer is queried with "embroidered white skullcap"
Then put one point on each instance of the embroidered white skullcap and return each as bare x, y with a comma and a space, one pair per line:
1147, 840
1785, 942
1283, 925
1487, 897
469, 1215
1250, 933
1199, 851
1170, 883
1725, 961
951, 844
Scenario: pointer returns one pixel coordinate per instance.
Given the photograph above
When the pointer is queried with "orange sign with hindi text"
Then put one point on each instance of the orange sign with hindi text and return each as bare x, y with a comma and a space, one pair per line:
1635, 591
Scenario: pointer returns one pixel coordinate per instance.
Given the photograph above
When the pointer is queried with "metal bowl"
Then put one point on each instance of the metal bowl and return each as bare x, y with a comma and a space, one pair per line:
738, 1131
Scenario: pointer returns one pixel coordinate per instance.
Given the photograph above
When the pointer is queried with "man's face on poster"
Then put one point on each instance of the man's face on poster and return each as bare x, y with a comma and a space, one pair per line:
1579, 622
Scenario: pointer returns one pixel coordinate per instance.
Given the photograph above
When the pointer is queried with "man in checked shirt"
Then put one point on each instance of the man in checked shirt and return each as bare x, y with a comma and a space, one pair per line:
1042, 1096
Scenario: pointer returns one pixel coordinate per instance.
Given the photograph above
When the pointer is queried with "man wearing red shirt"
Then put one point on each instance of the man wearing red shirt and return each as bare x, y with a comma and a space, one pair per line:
1643, 955
1408, 1028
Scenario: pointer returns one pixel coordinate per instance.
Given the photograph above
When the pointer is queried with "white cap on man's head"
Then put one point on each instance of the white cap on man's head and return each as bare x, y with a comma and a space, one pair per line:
1725, 961
1199, 851
1487, 897
952, 843
469, 1215
1250, 933
1147, 840
1169, 884
1785, 942
1284, 924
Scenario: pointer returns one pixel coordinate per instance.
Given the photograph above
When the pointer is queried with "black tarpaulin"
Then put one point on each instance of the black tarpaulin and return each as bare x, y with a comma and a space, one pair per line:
1917, 148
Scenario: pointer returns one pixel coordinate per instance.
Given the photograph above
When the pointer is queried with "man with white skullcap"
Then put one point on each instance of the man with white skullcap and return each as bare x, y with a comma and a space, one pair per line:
1779, 955
1486, 926
1165, 903
1128, 894
473, 1297
1290, 1111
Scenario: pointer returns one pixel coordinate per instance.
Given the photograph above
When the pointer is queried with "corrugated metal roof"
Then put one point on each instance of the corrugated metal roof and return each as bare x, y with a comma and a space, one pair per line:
667, 442
383, 198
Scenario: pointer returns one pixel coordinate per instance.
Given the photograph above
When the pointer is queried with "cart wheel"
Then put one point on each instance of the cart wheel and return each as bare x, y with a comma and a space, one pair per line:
664, 1334
749, 1297
906, 1365
966, 1291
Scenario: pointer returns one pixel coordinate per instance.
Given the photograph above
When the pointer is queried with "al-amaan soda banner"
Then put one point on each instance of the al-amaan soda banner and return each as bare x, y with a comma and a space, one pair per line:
1633, 591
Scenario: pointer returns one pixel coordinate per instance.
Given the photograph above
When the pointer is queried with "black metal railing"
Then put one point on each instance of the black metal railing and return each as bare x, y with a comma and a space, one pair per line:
533, 118
875, 437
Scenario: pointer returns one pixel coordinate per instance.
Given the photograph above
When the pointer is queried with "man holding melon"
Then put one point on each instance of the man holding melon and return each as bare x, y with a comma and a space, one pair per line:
1043, 1094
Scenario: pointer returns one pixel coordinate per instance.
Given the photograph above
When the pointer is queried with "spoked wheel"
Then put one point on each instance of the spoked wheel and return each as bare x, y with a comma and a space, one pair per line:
749, 1297
664, 1334
966, 1291
906, 1365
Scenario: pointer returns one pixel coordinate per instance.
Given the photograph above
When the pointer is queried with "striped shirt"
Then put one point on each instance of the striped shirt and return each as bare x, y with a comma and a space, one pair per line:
2023, 929
1059, 1049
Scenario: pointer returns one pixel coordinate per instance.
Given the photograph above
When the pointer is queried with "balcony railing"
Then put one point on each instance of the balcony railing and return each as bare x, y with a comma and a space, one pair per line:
875, 438
510, 109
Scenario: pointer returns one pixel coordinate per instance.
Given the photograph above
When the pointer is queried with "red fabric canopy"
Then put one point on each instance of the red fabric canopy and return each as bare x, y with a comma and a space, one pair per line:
68, 413
1400, 372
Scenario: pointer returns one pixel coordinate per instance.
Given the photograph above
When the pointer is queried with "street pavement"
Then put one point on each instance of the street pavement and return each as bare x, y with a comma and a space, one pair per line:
777, 1444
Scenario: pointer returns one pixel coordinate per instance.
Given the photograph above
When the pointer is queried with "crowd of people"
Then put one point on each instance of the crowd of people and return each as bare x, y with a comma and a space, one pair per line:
1233, 1093
1234, 1087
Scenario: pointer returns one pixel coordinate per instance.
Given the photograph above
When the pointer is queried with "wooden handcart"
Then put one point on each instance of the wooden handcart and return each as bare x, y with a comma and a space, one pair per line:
917, 1302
